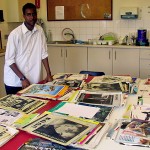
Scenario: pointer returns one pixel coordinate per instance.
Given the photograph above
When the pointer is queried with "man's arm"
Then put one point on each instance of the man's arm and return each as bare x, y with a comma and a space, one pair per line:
24, 80
47, 68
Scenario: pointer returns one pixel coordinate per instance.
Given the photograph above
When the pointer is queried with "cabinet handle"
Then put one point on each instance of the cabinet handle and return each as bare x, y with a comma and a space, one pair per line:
61, 53
115, 55
66, 53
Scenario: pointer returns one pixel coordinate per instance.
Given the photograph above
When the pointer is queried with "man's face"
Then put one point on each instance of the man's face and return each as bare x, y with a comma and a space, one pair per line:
30, 17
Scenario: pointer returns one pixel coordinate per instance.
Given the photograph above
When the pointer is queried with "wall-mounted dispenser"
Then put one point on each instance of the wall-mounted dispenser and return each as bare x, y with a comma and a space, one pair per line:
1, 16
129, 12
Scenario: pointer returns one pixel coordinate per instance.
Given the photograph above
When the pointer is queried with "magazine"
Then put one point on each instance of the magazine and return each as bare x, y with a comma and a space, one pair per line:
61, 75
44, 91
42, 144
109, 87
103, 113
139, 128
77, 76
132, 132
6, 133
71, 83
58, 128
111, 79
95, 98
88, 111
24, 120
140, 112
8, 116
21, 103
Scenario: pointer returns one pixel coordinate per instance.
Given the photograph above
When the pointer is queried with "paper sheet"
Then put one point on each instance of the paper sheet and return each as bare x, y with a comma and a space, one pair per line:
78, 110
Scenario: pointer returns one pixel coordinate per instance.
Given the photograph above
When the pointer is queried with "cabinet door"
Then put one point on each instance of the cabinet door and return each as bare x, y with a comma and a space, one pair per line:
2, 88
14, 8
56, 60
144, 63
75, 59
100, 59
126, 62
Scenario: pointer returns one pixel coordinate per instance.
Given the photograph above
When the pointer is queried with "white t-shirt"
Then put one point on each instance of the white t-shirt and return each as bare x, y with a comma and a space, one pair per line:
27, 49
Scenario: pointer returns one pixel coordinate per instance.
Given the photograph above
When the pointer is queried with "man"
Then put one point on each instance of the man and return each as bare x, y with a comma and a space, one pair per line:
26, 49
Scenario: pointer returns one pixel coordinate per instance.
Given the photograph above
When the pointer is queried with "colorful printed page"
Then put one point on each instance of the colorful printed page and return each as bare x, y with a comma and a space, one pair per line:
44, 91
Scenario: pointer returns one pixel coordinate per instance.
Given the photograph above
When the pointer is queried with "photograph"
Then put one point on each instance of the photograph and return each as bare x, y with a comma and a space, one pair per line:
96, 98
62, 130
59, 128
139, 127
23, 104
113, 87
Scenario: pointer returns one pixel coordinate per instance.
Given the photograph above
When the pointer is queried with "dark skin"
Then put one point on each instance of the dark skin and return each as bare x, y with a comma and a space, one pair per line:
30, 18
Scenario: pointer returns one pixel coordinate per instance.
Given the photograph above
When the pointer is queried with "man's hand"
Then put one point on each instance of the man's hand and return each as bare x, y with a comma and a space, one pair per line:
48, 79
25, 83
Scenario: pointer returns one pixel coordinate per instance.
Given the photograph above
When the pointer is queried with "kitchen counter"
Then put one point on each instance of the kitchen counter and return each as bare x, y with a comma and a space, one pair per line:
104, 46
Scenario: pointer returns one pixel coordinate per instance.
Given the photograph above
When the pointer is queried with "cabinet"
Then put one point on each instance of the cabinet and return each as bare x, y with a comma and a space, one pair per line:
100, 59
2, 87
114, 61
126, 61
67, 59
145, 63
15, 9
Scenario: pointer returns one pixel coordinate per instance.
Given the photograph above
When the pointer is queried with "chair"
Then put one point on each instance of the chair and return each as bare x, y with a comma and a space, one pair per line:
92, 73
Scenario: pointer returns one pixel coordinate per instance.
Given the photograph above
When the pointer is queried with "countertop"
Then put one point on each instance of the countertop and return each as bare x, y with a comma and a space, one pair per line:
105, 46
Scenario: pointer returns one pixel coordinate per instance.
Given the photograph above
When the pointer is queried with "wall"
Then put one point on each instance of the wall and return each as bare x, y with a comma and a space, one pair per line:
85, 30
3, 25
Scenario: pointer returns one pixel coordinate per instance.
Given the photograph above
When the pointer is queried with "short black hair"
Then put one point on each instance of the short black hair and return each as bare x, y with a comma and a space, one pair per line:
28, 6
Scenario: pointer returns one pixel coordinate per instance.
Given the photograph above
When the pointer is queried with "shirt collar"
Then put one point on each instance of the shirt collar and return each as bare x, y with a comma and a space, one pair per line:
25, 29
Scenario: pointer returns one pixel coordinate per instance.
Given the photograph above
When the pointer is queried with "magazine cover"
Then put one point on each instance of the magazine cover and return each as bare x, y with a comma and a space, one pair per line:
111, 99
60, 129
6, 133
109, 87
111, 79
71, 83
23, 104
41, 144
61, 75
139, 128
44, 91
134, 132
77, 76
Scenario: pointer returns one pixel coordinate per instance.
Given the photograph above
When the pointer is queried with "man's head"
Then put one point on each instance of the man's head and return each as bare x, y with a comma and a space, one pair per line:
30, 15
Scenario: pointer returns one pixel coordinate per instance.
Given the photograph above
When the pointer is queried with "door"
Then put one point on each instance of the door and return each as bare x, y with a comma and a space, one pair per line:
56, 59
100, 59
75, 59
126, 61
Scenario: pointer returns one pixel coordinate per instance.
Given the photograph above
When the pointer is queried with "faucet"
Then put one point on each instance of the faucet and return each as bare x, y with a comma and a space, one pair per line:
73, 37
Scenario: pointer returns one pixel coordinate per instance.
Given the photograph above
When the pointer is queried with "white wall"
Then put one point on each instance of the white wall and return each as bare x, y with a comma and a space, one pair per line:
85, 30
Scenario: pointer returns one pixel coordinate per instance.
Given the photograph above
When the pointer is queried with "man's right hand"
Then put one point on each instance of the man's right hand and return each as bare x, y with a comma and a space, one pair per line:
25, 83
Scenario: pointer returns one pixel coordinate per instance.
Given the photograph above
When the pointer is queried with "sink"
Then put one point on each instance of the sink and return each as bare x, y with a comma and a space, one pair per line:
60, 42
68, 42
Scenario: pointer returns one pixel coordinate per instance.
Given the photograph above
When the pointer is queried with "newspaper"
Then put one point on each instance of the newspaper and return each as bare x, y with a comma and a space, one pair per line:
60, 129
21, 103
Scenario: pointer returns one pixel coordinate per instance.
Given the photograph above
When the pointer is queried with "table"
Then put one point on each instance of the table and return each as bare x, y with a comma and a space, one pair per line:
23, 136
